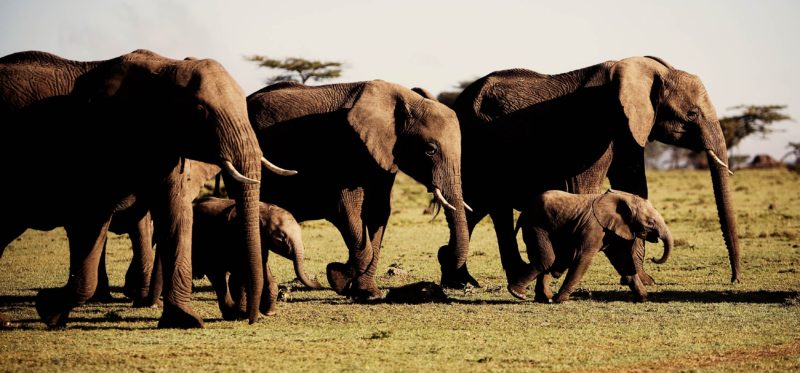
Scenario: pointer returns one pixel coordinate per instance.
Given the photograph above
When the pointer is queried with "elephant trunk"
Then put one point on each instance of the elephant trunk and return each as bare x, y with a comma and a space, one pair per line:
458, 218
298, 250
727, 218
665, 236
245, 156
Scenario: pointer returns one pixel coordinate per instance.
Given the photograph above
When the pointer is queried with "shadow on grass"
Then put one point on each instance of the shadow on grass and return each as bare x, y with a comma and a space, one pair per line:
711, 296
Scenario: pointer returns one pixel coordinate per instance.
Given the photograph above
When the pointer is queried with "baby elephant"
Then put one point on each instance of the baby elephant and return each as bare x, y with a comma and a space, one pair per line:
564, 231
213, 245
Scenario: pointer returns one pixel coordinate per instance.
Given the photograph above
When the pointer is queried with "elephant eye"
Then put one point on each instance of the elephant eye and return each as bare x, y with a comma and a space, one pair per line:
202, 112
431, 149
692, 114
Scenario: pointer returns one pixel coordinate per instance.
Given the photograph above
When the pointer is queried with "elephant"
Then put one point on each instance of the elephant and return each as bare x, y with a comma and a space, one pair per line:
524, 133
563, 231
112, 133
347, 141
213, 256
143, 285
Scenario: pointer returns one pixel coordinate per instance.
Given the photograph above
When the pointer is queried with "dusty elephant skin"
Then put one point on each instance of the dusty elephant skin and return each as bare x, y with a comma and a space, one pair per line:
347, 141
121, 127
215, 252
564, 231
524, 133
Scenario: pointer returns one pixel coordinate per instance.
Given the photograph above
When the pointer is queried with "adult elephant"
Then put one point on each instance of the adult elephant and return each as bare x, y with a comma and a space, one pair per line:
109, 130
525, 132
347, 142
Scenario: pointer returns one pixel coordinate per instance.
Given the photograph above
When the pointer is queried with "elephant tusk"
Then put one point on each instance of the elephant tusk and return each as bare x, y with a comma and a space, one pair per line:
280, 171
228, 166
716, 159
466, 206
438, 193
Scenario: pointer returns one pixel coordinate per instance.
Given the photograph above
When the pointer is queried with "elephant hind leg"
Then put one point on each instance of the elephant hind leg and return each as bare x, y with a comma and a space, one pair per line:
86, 245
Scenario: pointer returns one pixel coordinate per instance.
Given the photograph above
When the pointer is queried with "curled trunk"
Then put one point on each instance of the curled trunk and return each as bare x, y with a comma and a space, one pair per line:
666, 237
299, 268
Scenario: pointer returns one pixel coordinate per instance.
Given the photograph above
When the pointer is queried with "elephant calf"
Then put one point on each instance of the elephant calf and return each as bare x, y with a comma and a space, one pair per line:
564, 231
214, 233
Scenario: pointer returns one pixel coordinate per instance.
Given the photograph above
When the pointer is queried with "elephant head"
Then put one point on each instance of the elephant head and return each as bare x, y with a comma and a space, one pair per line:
283, 235
672, 106
409, 130
629, 216
187, 109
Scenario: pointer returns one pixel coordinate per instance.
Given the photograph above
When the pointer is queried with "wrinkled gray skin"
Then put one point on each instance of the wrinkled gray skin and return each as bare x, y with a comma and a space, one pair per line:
524, 133
564, 231
347, 142
214, 253
121, 128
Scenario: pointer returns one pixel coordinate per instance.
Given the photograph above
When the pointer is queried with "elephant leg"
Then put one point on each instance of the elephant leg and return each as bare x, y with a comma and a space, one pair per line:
638, 262
625, 264
355, 234
574, 276
153, 299
378, 207
269, 296
174, 218
137, 278
514, 266
541, 291
103, 292
8, 234
542, 257
86, 245
226, 305
458, 279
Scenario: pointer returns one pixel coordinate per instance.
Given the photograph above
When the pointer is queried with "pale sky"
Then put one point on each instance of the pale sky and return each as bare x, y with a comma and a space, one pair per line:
746, 52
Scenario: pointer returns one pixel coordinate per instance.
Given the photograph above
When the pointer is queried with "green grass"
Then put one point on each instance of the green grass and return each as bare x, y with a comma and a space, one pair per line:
695, 320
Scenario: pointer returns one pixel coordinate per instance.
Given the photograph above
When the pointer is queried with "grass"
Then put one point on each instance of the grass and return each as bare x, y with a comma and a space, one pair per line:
695, 320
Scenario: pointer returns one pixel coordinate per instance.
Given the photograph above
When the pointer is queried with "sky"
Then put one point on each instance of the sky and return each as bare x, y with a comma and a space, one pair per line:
745, 52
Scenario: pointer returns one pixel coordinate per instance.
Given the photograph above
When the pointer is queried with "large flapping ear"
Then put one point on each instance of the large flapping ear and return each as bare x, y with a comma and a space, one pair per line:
614, 213
424, 93
636, 80
374, 117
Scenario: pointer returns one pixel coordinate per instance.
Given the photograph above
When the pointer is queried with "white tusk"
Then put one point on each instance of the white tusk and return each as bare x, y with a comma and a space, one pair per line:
280, 171
440, 197
466, 206
716, 159
228, 166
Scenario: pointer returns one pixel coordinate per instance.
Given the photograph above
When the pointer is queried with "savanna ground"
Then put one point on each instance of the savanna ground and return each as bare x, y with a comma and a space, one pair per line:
695, 319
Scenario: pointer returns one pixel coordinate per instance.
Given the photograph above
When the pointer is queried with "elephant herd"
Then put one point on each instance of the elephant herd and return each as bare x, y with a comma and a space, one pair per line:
121, 138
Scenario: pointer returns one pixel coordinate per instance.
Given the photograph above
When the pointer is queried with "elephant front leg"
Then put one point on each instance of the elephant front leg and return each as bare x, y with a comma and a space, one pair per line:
269, 296
173, 216
86, 245
515, 268
624, 261
574, 276
345, 278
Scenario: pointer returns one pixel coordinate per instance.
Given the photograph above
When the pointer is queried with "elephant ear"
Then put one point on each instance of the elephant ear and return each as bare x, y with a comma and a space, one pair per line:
615, 213
374, 117
636, 81
424, 93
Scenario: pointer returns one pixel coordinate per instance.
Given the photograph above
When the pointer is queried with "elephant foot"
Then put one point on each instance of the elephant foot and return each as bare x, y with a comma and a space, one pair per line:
53, 307
232, 313
518, 291
457, 278
5, 322
340, 276
179, 317
561, 298
644, 277
343, 281
101, 296
146, 302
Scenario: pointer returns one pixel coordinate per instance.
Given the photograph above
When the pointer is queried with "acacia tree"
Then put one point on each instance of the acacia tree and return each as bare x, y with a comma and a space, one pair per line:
298, 69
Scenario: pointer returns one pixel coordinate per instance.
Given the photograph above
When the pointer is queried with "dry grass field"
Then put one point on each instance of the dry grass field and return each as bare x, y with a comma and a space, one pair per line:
695, 319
